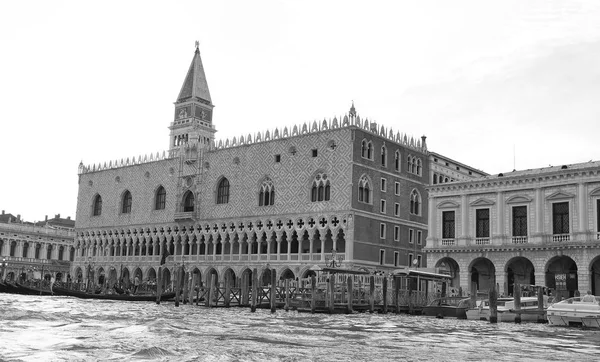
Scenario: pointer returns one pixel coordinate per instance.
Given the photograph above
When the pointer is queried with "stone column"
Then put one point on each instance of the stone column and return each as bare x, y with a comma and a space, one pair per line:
539, 214
500, 232
465, 219
349, 238
322, 236
19, 248
502, 288
431, 218
583, 210
278, 237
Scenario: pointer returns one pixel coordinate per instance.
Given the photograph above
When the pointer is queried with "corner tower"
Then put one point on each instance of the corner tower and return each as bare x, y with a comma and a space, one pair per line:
192, 122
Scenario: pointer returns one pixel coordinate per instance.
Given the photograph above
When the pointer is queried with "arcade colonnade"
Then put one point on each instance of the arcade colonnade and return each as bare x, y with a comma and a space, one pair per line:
219, 246
565, 271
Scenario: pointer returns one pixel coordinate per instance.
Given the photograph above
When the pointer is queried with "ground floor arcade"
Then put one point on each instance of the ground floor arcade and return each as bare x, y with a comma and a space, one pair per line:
565, 271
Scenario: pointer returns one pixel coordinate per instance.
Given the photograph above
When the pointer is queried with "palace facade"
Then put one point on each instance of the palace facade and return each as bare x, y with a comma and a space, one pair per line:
344, 189
30, 251
538, 227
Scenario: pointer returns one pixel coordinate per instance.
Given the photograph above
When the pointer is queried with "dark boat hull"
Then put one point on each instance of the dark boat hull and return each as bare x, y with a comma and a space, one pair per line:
124, 297
32, 291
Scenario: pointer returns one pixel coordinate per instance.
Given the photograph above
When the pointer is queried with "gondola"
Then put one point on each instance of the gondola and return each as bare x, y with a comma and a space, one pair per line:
27, 290
126, 297
3, 287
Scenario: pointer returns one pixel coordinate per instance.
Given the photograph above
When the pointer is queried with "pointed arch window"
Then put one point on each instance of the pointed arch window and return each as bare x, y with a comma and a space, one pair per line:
223, 191
266, 195
188, 201
363, 149
370, 151
419, 167
415, 203
364, 190
397, 161
126, 203
383, 156
321, 188
160, 198
97, 206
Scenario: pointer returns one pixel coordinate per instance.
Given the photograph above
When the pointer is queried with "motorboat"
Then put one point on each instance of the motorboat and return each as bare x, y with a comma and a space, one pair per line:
448, 307
575, 311
529, 310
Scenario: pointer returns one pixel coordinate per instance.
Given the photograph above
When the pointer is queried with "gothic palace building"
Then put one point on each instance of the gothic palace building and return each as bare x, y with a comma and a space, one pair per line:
285, 198
539, 227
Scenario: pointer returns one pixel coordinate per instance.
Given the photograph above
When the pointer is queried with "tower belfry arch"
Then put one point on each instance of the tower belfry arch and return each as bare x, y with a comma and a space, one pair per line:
192, 121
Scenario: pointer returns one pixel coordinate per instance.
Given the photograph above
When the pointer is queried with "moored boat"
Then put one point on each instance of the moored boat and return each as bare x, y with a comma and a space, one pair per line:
126, 297
448, 307
575, 312
506, 309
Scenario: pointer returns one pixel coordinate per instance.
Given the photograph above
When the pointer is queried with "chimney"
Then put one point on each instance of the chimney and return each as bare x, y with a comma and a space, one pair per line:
423, 142
68, 218
56, 216
46, 217
2, 212
18, 217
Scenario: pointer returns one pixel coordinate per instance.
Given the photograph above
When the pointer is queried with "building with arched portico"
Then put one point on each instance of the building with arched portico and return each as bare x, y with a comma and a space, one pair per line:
539, 226
288, 198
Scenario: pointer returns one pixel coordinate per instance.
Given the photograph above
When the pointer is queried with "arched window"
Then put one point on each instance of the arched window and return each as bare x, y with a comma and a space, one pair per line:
160, 199
223, 191
364, 190
370, 151
188, 201
419, 167
266, 195
97, 206
49, 252
415, 203
321, 188
435, 179
25, 249
383, 156
397, 161
126, 203
363, 149
61, 251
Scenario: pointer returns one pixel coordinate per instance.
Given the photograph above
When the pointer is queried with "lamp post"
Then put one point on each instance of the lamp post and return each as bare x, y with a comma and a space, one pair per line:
334, 261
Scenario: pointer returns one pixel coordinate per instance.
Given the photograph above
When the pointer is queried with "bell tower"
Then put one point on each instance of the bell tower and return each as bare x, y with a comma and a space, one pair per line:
192, 122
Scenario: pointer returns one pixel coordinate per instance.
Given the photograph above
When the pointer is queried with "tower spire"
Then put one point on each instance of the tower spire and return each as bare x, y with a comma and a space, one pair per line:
193, 109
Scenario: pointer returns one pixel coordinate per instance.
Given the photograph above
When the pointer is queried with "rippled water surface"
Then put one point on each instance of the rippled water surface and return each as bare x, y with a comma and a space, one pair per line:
63, 328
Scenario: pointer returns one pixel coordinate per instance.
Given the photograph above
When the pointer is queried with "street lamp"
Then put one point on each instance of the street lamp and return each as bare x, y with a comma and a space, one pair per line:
334, 261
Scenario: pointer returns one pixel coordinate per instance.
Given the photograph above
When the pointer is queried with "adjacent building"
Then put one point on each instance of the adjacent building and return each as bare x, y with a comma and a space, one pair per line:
28, 250
538, 226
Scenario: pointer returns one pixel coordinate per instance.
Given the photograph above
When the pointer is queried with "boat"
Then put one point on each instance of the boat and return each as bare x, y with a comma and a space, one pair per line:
575, 312
448, 307
126, 297
30, 290
529, 312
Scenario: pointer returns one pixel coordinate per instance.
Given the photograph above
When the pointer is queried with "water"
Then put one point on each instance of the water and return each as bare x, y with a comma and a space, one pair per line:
62, 328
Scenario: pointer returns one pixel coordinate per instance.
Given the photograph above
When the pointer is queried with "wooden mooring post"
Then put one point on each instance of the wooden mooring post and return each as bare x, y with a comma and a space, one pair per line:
385, 292
313, 296
186, 276
227, 296
287, 294
207, 290
245, 292
517, 301
350, 282
254, 290
493, 297
331, 293
541, 316
177, 285
273, 290
397, 294
372, 294
158, 285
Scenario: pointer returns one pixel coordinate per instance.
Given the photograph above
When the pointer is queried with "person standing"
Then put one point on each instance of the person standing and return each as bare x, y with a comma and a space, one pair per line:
588, 297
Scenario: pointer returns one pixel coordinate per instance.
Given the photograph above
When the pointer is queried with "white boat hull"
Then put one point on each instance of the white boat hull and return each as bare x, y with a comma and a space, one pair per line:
574, 312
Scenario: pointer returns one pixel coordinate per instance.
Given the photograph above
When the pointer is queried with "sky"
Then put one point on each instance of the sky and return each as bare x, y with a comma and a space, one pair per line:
496, 85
